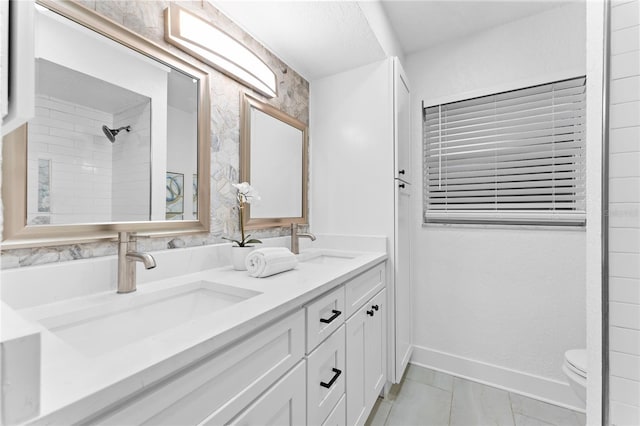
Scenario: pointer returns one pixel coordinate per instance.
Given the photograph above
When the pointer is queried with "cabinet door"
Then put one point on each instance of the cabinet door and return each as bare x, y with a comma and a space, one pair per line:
402, 110
375, 357
402, 324
366, 358
282, 404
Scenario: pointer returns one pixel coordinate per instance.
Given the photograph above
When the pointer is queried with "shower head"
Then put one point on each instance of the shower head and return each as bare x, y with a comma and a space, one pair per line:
111, 133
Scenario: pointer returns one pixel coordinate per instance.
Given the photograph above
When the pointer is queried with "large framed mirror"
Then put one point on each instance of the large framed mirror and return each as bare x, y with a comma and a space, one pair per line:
120, 139
273, 159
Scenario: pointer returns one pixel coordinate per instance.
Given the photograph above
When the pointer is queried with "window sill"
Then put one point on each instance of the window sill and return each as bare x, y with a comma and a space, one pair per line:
505, 226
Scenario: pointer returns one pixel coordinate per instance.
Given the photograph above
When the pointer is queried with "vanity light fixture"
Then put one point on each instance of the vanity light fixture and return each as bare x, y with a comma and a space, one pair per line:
213, 46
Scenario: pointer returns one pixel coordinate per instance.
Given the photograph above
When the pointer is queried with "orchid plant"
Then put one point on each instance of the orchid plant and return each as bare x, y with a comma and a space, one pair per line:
245, 195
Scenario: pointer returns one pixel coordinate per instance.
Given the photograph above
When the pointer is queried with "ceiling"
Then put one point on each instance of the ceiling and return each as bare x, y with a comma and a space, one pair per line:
319, 38
422, 24
78, 88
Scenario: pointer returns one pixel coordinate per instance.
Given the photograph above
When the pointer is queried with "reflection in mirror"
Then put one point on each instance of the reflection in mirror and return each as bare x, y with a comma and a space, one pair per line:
274, 161
119, 138
75, 173
92, 142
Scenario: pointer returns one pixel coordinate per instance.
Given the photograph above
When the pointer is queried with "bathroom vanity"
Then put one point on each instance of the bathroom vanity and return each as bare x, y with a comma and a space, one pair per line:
197, 342
214, 346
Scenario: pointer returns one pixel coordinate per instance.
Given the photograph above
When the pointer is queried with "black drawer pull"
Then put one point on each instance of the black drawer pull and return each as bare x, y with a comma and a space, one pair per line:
333, 379
401, 185
401, 172
375, 307
370, 313
335, 315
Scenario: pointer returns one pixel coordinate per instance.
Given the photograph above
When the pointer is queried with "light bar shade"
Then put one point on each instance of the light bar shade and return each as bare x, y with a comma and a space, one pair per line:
213, 46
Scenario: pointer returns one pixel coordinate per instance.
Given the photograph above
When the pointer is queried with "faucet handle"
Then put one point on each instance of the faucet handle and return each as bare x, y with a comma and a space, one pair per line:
134, 236
130, 236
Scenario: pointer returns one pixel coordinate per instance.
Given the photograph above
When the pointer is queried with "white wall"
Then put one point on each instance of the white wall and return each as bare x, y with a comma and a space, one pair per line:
499, 305
624, 218
351, 163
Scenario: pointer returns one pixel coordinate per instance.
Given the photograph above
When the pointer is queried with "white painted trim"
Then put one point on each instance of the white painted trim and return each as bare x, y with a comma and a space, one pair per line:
21, 71
594, 193
526, 384
507, 86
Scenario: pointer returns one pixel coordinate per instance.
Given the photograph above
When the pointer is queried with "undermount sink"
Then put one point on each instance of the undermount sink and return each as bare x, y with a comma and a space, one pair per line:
325, 258
127, 319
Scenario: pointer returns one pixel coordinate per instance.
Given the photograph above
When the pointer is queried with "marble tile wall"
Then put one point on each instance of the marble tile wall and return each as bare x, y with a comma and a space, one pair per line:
146, 19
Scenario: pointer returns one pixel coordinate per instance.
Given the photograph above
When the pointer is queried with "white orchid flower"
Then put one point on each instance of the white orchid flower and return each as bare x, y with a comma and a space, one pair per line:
246, 193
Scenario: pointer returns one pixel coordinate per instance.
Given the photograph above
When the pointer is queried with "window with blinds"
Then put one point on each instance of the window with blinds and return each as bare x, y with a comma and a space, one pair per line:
511, 157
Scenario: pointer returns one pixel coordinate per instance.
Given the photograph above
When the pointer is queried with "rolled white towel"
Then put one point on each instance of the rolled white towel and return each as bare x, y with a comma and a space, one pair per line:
269, 261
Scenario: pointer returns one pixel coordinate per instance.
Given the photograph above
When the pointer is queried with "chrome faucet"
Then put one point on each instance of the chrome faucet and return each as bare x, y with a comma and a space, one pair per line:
295, 236
127, 256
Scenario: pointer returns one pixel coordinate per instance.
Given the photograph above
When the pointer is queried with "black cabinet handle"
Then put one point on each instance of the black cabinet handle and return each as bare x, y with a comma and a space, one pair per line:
401, 172
401, 185
333, 379
335, 315
370, 313
375, 307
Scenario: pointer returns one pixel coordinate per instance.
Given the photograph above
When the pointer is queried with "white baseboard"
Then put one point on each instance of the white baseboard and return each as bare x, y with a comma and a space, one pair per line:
532, 386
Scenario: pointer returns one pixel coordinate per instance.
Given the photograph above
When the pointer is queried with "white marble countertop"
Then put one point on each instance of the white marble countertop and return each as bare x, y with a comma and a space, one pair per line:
75, 385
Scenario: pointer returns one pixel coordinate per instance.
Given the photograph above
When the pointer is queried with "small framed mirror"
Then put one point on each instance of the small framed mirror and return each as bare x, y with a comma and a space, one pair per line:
120, 139
273, 159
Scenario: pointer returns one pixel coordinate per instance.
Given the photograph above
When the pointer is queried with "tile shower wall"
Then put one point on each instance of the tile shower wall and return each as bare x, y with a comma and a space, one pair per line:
70, 138
624, 215
146, 18
131, 164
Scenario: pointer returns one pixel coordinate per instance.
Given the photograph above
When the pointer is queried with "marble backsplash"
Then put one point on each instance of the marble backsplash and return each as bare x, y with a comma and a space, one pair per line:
146, 18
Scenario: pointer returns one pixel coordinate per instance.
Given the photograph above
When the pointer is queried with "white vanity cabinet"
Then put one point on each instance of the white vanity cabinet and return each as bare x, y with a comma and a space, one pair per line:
216, 389
346, 350
322, 364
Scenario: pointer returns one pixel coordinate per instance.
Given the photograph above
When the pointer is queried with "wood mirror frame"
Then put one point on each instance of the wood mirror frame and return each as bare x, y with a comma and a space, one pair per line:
248, 102
16, 232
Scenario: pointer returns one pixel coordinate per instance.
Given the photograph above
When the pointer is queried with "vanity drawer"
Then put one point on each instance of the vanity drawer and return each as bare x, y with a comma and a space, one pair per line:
338, 416
363, 287
324, 316
220, 386
325, 377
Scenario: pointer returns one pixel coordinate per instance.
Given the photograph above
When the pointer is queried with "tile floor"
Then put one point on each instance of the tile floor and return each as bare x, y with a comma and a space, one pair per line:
430, 398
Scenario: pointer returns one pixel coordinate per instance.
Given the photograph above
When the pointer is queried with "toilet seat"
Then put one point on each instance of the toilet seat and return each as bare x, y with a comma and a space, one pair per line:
576, 361
575, 368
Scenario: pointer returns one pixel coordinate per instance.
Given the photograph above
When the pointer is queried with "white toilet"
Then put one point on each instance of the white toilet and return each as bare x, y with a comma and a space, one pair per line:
575, 367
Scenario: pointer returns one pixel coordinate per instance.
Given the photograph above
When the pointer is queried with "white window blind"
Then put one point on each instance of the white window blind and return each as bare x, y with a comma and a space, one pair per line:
516, 156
